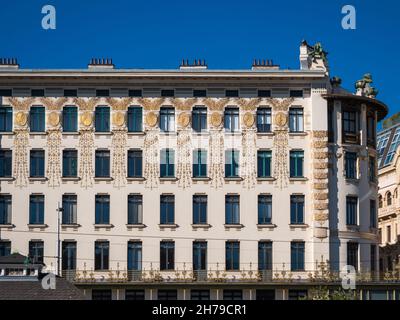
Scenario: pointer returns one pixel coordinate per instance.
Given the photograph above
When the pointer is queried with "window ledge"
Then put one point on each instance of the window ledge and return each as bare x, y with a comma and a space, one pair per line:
300, 133
134, 133
168, 179
37, 133
37, 179
135, 178
168, 225
227, 179
103, 179
201, 178
6, 133
266, 179
168, 133
37, 226
201, 225
7, 178
266, 133
70, 178
103, 225
135, 225
106, 133
298, 179
72, 133
235, 133
266, 226
298, 226
70, 225
7, 226
233, 226
205, 133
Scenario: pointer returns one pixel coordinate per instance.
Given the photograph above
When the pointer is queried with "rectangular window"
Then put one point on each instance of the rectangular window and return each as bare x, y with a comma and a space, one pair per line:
5, 209
69, 205
199, 255
231, 119
69, 255
70, 119
296, 209
167, 209
167, 165
297, 255
371, 130
296, 122
37, 93
36, 251
232, 255
167, 93
102, 165
199, 209
167, 255
135, 255
264, 119
102, 93
135, 122
101, 294
231, 163
350, 159
37, 163
232, 93
135, 93
265, 255
37, 119
296, 164
372, 213
350, 122
230, 294
265, 294
264, 209
101, 255
296, 93
199, 163
199, 93
5, 163
70, 93
70, 163
135, 209
167, 294
388, 234
102, 119
373, 258
135, 163
36, 209
199, 119
232, 209
264, 163
352, 254
200, 294
351, 211
264, 93
133, 294
167, 119
5, 248
102, 209
296, 294
372, 169
6, 124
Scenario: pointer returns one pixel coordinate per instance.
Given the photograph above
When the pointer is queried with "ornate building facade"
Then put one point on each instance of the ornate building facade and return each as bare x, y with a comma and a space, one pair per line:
190, 183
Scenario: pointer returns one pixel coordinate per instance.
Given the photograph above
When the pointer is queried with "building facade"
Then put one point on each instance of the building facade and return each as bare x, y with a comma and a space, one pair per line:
195, 178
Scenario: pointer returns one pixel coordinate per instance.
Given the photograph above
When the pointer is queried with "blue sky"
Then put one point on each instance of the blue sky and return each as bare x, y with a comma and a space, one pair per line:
228, 34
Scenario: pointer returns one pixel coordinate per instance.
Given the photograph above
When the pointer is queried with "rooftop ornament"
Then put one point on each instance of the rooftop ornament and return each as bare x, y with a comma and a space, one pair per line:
317, 52
364, 87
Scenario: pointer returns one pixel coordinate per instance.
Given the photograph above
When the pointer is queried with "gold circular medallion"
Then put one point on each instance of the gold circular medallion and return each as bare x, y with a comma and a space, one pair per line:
21, 118
248, 119
280, 119
183, 120
86, 118
53, 118
216, 119
151, 119
118, 119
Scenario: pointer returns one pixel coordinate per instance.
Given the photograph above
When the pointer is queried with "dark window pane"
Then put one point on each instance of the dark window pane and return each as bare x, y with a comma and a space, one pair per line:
232, 209
37, 119
102, 119
6, 122
167, 209
70, 119
167, 255
135, 209
101, 255
135, 163
69, 205
70, 163
102, 207
102, 165
135, 119
5, 163
36, 209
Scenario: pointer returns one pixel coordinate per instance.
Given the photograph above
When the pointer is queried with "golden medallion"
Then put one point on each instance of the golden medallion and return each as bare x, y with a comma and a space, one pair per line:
118, 119
216, 119
280, 119
53, 118
248, 119
21, 118
183, 120
87, 118
151, 119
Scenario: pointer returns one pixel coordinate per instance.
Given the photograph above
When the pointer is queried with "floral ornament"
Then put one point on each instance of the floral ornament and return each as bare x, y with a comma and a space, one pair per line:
86, 104
248, 104
184, 104
151, 158
184, 166
118, 170
53, 104
54, 159
20, 167
152, 104
86, 146
21, 104
119, 104
215, 104
317, 52
248, 158
216, 147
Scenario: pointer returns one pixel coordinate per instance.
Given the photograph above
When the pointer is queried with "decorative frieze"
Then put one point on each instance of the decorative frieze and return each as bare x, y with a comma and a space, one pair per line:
53, 104
86, 104
120, 104
184, 164
118, 171
151, 157
151, 104
20, 167
86, 149
53, 171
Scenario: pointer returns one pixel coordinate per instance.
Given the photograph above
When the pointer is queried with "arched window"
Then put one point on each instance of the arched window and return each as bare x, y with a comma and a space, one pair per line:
388, 199
380, 201
395, 194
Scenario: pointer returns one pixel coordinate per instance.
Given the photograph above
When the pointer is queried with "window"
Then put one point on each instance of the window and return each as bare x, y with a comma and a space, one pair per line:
296, 123
199, 163
232, 209
371, 130
264, 93
352, 254
380, 201
351, 211
296, 209
264, 120
5, 248
199, 209
373, 257
102, 119
231, 119
297, 255
388, 199
135, 119
37, 163
231, 163
5, 209
167, 165
265, 294
135, 93
70, 163
69, 255
70, 93
350, 122
230, 294
199, 255
37, 119
101, 255
6, 114
388, 234
350, 159
135, 255
232, 255
135, 163
296, 93
167, 209
264, 163
69, 205
5, 92
37, 93
265, 255
167, 294
167, 93
5, 163
102, 93
199, 294
36, 251
70, 119
296, 294
133, 294
232, 93
135, 209
199, 93
36, 209
296, 164
264, 209
167, 119
167, 255
102, 209
102, 164
372, 213
199, 119
101, 294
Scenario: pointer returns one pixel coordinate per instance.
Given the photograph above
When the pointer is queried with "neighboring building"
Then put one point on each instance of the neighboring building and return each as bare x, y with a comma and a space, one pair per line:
225, 180
389, 203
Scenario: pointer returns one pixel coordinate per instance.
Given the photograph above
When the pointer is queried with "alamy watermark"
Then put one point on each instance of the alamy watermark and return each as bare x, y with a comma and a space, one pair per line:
349, 20
49, 19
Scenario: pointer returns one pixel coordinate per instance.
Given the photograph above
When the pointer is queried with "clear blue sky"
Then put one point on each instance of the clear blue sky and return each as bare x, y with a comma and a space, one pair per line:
227, 33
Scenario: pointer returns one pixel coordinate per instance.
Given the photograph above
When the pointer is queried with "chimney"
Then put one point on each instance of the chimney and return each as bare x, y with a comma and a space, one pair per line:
198, 64
10, 63
264, 64
101, 63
